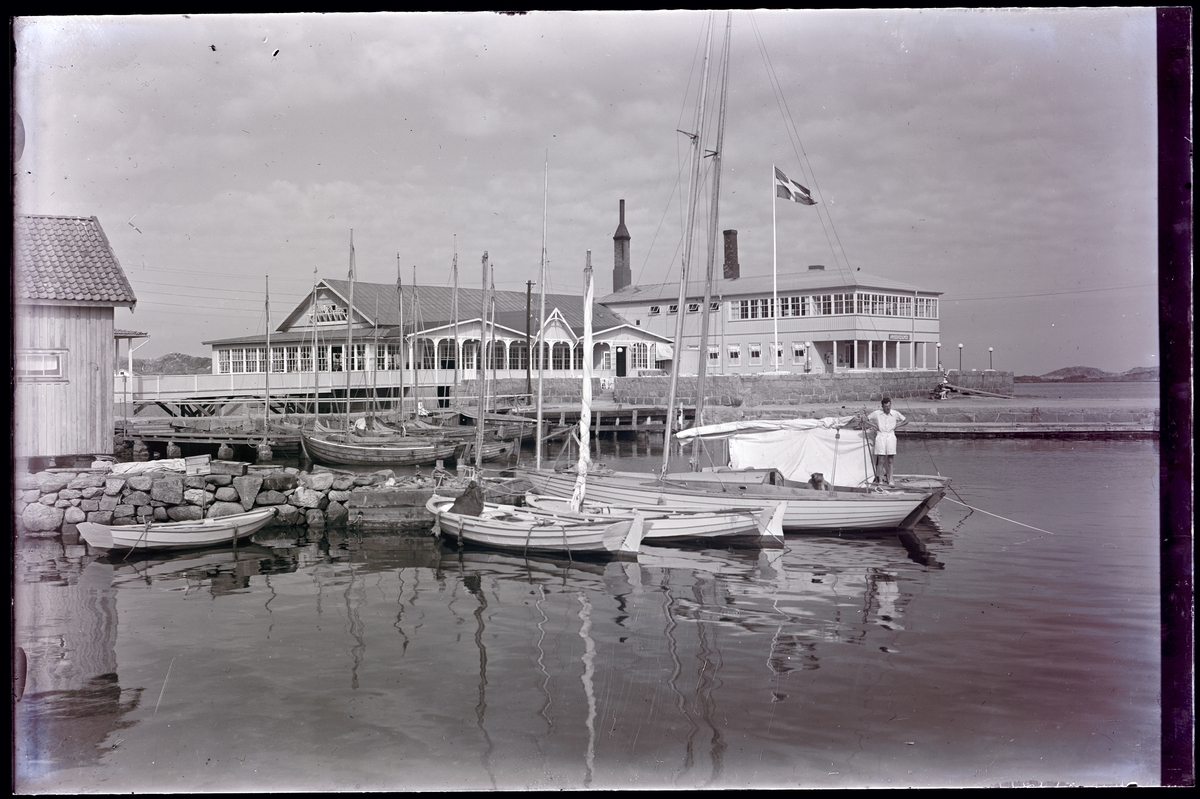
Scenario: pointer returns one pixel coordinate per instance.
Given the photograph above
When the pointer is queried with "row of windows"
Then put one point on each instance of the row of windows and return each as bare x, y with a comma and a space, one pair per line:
862, 303
390, 357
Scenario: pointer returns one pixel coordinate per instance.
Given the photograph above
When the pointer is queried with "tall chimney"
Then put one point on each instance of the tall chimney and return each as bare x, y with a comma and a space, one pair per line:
732, 270
622, 275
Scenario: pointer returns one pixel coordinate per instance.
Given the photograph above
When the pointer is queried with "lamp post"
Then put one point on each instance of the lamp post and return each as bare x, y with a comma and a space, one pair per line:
939, 356
990, 359
960, 358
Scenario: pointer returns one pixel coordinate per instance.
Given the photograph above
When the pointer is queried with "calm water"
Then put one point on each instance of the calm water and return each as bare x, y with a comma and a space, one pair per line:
1000, 655
1091, 391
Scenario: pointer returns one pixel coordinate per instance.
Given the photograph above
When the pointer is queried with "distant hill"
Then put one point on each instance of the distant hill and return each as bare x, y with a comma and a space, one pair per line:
1089, 374
174, 363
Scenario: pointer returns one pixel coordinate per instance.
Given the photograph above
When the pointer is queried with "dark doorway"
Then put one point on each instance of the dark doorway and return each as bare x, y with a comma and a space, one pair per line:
620, 361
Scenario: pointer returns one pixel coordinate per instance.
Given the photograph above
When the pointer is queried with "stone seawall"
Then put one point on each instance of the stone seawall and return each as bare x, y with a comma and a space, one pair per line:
750, 391
55, 500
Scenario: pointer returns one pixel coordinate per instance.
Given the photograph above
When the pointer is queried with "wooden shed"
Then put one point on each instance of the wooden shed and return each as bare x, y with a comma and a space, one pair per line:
67, 283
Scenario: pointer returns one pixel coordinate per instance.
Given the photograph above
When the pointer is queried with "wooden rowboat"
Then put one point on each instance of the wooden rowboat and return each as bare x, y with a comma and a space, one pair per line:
340, 449
176, 535
763, 526
519, 529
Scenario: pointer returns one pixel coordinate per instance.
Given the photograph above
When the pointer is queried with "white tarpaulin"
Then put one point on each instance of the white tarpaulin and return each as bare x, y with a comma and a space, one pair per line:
796, 447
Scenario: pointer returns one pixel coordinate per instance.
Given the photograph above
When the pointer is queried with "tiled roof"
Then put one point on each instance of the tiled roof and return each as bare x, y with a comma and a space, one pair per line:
67, 259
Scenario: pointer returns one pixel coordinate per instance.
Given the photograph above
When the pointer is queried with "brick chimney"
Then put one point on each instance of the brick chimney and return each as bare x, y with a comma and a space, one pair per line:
622, 275
732, 270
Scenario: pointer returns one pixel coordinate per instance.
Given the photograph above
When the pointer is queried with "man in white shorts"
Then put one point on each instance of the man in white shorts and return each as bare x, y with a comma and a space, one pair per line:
885, 422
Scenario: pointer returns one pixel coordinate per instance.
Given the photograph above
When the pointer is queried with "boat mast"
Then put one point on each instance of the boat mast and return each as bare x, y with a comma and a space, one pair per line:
347, 357
416, 344
585, 410
402, 349
316, 375
713, 224
697, 158
482, 373
454, 302
267, 371
541, 337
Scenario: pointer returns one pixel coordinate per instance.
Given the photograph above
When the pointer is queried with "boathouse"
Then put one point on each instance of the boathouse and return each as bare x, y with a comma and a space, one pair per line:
67, 283
394, 342
820, 320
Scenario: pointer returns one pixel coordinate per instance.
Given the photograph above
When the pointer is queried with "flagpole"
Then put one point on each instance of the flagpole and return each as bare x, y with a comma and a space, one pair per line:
774, 275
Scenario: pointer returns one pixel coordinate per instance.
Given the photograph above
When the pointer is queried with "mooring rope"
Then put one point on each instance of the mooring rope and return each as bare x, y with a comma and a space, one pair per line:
998, 516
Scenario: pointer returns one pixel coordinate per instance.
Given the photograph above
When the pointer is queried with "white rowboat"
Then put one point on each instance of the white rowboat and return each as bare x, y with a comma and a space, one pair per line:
176, 535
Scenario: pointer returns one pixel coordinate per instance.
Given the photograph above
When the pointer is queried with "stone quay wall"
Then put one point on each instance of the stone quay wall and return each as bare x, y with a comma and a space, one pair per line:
55, 500
755, 390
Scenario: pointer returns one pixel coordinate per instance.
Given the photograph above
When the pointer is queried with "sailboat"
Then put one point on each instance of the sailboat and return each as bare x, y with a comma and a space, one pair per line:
806, 509
347, 447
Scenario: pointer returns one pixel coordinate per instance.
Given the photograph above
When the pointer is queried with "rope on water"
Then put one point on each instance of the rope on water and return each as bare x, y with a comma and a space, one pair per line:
998, 516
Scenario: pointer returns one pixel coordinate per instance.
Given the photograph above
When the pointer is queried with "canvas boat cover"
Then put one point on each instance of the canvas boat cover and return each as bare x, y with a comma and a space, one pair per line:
796, 447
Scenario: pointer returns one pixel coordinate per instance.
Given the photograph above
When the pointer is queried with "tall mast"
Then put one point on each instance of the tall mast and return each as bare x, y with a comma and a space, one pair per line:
267, 374
316, 375
541, 337
712, 245
347, 357
403, 349
585, 408
416, 344
697, 159
482, 373
457, 349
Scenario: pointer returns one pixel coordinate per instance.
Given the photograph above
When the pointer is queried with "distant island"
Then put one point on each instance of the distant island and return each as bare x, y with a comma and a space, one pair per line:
1088, 374
175, 363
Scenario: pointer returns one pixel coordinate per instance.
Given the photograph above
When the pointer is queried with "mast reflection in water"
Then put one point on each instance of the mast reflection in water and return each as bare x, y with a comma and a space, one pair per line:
976, 653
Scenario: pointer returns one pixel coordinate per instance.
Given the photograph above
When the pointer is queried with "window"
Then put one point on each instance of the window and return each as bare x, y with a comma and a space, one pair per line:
42, 366
606, 361
560, 357
277, 359
446, 354
328, 312
734, 353
577, 357
425, 354
639, 355
673, 308
322, 359
291, 359
306, 358
223, 362
693, 307
655, 310
518, 355
335, 358
237, 361
714, 356
797, 352
358, 357
756, 354
495, 355
714, 306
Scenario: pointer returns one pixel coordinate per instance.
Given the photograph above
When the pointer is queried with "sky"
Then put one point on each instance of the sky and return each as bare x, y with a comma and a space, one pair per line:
1006, 158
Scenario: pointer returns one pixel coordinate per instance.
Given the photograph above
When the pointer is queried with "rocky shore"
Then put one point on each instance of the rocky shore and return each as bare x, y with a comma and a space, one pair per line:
54, 501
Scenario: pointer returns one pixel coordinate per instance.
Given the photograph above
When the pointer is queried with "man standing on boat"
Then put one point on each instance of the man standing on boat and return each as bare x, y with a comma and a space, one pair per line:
885, 422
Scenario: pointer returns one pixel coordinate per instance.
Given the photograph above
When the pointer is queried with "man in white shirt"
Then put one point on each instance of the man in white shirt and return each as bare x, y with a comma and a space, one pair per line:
885, 422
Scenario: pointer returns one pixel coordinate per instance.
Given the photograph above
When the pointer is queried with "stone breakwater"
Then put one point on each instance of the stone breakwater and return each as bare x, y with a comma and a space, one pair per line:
55, 500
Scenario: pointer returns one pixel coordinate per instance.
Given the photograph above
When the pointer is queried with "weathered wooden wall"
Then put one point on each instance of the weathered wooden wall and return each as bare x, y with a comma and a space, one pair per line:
75, 416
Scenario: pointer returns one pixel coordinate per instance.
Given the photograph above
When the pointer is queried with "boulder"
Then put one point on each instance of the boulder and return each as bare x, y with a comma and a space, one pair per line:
269, 497
48, 499
114, 485
227, 494
315, 519
196, 480
278, 481
25, 482
87, 481
336, 513
108, 503
224, 509
136, 498
89, 505
160, 514
305, 497
185, 513
218, 479
122, 512
39, 518
287, 514
69, 493
343, 483
140, 482
168, 490
196, 496
53, 482
31, 495
91, 492
321, 481
340, 496
248, 487
74, 516
100, 517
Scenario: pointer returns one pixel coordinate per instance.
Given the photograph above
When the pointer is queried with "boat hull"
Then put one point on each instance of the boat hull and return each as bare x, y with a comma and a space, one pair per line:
176, 535
763, 526
327, 449
807, 510
512, 528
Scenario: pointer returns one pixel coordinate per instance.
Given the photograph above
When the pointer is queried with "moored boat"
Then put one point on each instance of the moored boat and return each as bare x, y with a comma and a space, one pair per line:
347, 451
176, 535
470, 519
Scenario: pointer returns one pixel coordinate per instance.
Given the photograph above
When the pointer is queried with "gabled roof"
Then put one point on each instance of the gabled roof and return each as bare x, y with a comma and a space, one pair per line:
66, 259
759, 285
435, 306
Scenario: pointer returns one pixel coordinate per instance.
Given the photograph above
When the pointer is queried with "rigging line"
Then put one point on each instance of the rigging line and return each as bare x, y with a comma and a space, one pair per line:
998, 516
802, 155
